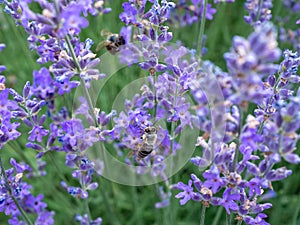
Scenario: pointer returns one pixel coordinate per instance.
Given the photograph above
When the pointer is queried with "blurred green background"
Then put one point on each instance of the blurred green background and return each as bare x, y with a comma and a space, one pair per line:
119, 204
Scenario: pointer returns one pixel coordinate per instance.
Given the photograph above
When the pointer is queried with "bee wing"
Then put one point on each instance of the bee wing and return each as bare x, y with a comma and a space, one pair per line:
134, 151
105, 33
131, 153
101, 45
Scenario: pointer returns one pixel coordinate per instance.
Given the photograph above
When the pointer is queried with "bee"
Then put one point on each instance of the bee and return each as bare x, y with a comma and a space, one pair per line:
149, 139
112, 43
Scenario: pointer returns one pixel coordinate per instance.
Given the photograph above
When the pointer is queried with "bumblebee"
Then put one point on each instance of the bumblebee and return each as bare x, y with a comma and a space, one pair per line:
112, 43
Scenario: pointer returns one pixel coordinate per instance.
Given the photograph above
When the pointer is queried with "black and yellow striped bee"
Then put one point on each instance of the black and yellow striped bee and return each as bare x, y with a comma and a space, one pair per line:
112, 43
149, 140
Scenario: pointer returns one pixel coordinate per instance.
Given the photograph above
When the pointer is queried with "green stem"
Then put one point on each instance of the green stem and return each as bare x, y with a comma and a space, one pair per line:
71, 49
86, 201
82, 82
169, 209
228, 219
110, 210
30, 62
24, 215
218, 216
168, 213
155, 100
259, 10
14, 145
239, 222
260, 128
236, 153
89, 101
90, 105
136, 218
202, 26
296, 214
53, 162
87, 208
203, 215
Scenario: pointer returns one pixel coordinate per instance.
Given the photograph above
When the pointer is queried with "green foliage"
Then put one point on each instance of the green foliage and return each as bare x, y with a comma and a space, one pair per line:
118, 204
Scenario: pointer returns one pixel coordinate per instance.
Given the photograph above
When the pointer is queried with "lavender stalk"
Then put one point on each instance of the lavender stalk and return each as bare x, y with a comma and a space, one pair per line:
82, 82
202, 26
202, 218
24, 215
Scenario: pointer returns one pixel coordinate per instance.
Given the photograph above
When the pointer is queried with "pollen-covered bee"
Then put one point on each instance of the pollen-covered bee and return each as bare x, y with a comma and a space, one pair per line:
112, 43
149, 139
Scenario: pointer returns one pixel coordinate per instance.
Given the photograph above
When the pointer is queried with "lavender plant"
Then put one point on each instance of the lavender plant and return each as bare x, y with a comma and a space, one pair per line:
242, 120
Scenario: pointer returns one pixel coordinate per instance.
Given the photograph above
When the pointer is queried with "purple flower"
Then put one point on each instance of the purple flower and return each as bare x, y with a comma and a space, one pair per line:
187, 14
84, 220
251, 60
2, 83
278, 174
289, 66
65, 68
36, 203
45, 218
187, 192
56, 20
21, 191
76, 137
258, 13
293, 5
219, 1
72, 21
48, 49
37, 133
164, 197
228, 200
43, 86
65, 86
7, 127
129, 14
254, 187
258, 220
213, 180
2, 68
75, 191
13, 8
249, 136
16, 221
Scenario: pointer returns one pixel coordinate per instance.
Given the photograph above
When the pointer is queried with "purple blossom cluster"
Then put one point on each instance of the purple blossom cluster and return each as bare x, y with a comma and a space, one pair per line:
259, 11
238, 172
17, 194
53, 34
64, 135
8, 128
293, 5
289, 32
235, 170
250, 60
189, 12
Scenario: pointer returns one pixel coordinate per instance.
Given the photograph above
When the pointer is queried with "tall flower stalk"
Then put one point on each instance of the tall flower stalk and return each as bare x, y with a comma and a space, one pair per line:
7, 186
233, 172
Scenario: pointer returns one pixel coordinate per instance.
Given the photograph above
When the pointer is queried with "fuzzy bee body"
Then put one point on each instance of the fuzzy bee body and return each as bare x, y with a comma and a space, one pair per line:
149, 140
112, 43
144, 151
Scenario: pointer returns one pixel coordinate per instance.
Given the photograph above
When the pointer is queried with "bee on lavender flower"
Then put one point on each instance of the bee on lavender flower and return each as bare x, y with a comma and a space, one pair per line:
149, 140
112, 43
145, 148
